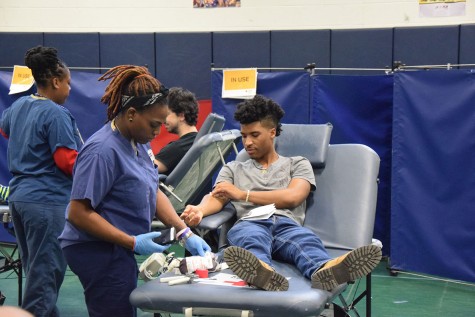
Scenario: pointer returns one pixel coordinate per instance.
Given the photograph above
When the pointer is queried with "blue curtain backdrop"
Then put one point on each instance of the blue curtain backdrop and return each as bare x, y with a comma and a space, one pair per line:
422, 126
433, 185
424, 136
360, 109
83, 102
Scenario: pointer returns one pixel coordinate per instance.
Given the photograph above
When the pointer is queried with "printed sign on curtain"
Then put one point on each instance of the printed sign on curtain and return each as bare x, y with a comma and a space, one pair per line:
22, 79
239, 83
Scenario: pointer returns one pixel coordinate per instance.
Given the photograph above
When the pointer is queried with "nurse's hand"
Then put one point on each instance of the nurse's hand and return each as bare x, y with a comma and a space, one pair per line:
196, 245
144, 244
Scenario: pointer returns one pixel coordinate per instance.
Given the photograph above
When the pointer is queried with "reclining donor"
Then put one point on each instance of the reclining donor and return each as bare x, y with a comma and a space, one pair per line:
269, 178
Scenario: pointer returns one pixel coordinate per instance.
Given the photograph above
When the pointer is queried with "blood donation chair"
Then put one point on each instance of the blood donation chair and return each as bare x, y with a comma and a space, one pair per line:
341, 211
186, 182
213, 123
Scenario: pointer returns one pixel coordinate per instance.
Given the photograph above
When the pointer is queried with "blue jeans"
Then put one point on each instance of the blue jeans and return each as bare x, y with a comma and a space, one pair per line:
108, 274
37, 227
282, 239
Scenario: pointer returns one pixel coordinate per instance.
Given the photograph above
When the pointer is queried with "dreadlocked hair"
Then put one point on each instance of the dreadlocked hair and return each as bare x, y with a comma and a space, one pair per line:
127, 80
260, 109
44, 64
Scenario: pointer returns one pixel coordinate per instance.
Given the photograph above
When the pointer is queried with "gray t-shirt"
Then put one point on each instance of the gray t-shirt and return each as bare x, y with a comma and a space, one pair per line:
250, 175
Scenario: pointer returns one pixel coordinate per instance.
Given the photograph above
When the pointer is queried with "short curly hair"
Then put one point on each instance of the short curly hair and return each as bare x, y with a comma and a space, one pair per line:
262, 109
181, 100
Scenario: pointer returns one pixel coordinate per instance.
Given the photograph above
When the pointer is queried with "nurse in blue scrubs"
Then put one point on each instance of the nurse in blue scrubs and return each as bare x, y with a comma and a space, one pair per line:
43, 142
115, 195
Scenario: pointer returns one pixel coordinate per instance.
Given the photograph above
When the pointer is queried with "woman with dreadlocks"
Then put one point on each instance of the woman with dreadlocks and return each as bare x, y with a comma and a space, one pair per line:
43, 141
115, 195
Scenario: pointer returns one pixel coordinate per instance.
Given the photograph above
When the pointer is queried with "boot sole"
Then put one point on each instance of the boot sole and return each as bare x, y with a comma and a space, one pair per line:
357, 264
248, 267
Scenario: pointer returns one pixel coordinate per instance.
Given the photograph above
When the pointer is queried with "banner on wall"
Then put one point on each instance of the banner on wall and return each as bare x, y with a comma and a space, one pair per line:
441, 8
216, 3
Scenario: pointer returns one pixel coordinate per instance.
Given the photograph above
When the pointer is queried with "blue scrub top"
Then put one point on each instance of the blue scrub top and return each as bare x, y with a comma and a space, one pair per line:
36, 127
120, 183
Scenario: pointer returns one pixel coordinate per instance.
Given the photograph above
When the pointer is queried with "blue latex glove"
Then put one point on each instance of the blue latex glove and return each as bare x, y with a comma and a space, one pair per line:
144, 244
196, 245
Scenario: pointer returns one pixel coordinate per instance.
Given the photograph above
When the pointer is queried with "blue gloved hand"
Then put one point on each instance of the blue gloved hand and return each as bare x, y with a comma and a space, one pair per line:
196, 245
144, 244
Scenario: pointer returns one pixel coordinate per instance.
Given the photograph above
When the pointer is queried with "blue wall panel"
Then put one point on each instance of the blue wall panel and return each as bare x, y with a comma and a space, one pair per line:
365, 48
76, 49
298, 48
13, 47
426, 45
184, 59
241, 49
130, 48
467, 44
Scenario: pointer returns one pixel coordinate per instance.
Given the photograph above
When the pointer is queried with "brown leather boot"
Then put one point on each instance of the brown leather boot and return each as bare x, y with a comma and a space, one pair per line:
252, 270
348, 267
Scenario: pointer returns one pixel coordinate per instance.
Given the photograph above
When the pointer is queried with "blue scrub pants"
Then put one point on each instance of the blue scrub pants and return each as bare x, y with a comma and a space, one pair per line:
283, 239
37, 227
108, 274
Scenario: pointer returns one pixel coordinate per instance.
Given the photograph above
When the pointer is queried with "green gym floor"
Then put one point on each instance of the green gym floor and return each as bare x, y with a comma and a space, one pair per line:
403, 295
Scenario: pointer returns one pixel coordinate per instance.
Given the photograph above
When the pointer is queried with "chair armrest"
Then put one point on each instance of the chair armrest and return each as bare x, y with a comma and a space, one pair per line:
213, 221
223, 220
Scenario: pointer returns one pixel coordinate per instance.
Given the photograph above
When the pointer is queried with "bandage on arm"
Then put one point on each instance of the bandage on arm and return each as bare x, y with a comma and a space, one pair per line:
64, 158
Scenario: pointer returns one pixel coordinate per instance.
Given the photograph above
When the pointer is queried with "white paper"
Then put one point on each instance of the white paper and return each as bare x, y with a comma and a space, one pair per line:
442, 9
240, 83
260, 213
22, 79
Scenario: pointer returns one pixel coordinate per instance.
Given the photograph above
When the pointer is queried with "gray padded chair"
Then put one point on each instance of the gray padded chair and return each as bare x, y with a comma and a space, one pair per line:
341, 210
213, 123
186, 182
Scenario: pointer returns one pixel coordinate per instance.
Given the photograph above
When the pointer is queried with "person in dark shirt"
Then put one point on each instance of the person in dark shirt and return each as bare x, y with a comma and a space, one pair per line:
181, 120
